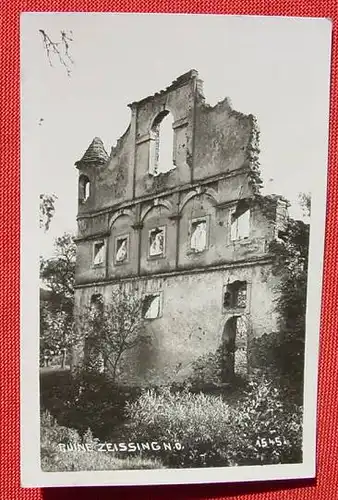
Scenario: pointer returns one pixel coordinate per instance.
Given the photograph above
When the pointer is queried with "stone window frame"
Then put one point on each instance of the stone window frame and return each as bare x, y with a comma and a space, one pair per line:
84, 181
205, 217
232, 211
118, 237
95, 243
159, 256
154, 144
235, 309
158, 293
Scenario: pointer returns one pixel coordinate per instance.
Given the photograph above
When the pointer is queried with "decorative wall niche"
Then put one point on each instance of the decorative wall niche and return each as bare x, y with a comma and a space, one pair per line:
156, 242
122, 249
199, 234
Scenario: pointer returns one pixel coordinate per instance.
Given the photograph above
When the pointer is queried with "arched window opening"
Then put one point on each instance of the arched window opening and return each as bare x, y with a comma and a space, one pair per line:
162, 145
84, 188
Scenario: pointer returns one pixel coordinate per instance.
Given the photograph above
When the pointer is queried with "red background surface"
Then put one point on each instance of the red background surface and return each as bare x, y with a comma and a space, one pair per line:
326, 484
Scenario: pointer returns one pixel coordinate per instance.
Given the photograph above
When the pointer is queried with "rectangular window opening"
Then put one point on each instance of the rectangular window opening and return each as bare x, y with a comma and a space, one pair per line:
240, 223
151, 307
98, 259
235, 295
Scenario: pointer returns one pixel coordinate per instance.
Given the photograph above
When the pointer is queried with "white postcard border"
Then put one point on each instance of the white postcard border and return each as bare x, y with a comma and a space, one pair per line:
31, 474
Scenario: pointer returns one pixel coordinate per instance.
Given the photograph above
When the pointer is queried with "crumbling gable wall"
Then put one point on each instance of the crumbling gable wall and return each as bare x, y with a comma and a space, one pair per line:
178, 102
206, 142
221, 139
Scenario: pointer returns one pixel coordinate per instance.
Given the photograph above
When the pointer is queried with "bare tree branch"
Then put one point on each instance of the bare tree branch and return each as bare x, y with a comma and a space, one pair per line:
59, 49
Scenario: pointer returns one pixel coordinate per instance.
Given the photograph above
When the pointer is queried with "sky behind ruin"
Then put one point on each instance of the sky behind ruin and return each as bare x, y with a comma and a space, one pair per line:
276, 69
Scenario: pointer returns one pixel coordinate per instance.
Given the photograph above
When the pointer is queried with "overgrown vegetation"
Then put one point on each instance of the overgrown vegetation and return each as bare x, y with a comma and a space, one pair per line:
207, 370
255, 179
83, 452
111, 329
258, 429
46, 210
57, 330
291, 264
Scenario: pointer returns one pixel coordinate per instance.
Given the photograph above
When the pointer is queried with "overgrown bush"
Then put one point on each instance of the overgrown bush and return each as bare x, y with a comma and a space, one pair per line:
290, 264
207, 375
197, 422
86, 399
280, 357
264, 430
207, 370
258, 429
53, 459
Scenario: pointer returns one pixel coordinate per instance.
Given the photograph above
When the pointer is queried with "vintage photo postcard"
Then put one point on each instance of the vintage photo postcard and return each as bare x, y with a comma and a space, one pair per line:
173, 217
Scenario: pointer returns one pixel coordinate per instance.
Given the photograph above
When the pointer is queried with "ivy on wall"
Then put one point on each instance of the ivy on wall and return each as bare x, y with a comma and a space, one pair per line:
253, 151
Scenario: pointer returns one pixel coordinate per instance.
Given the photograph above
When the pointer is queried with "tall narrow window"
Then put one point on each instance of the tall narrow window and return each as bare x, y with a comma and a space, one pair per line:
98, 258
84, 188
240, 223
162, 144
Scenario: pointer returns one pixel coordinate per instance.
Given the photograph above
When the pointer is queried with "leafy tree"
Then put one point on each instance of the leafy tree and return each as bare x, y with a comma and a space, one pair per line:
58, 272
291, 265
305, 203
112, 329
57, 332
47, 210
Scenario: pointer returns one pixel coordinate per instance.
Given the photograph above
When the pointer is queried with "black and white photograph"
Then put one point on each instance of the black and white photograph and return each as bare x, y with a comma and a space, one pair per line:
173, 214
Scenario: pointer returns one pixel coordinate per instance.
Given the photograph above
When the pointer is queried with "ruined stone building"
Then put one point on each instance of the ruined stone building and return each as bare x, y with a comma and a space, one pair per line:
180, 221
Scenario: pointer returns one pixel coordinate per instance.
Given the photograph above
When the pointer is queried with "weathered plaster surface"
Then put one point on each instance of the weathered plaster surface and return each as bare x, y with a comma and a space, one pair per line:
212, 176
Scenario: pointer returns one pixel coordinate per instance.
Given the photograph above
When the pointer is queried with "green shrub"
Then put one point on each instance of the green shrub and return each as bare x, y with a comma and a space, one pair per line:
258, 429
207, 376
207, 370
280, 356
53, 459
265, 430
85, 400
197, 422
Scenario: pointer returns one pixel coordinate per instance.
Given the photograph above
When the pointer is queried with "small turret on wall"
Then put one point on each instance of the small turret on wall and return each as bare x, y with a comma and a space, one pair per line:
94, 157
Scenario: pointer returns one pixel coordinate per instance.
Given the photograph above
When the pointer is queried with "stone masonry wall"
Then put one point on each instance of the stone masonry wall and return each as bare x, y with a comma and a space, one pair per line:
192, 321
